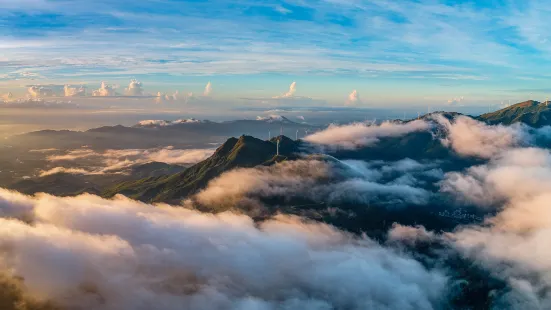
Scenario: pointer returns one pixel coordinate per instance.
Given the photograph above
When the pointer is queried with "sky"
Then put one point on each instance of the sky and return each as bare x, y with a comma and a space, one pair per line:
360, 53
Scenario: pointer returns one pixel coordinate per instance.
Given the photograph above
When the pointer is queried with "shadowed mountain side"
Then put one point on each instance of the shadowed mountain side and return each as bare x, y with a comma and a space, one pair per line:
59, 184
532, 113
415, 145
65, 184
244, 152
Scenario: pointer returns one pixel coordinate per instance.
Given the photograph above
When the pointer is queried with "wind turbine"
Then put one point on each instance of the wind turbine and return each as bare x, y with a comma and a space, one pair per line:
277, 147
296, 135
269, 135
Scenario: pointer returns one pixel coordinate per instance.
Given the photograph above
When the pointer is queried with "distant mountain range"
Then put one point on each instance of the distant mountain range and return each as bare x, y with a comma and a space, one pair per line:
188, 133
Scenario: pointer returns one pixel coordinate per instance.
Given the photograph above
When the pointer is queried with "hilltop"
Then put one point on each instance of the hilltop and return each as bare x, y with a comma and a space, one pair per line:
531, 112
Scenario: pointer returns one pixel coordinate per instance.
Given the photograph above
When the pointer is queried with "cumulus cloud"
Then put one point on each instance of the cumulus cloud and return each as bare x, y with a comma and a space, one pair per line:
291, 92
135, 88
86, 252
470, 137
37, 91
162, 98
360, 134
104, 90
117, 161
353, 98
70, 91
208, 90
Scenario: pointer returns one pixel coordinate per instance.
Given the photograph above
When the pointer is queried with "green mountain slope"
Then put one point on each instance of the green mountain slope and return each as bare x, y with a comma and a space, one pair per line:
532, 113
246, 151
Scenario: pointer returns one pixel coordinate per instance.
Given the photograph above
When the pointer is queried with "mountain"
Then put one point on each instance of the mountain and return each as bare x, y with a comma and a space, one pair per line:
65, 184
154, 169
186, 133
532, 113
244, 152
59, 184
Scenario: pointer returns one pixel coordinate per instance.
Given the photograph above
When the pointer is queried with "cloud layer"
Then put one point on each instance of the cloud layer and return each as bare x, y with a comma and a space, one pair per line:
360, 134
87, 252
117, 161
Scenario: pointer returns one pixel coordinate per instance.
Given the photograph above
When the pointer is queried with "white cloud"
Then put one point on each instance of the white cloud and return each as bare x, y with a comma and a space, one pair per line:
270, 118
162, 123
73, 91
135, 88
57, 170
361, 134
118, 161
290, 93
353, 98
174, 156
513, 243
283, 10
456, 100
470, 137
318, 181
104, 90
36, 91
208, 90
86, 252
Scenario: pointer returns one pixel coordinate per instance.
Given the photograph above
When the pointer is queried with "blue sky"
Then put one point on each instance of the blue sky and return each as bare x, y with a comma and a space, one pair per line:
391, 52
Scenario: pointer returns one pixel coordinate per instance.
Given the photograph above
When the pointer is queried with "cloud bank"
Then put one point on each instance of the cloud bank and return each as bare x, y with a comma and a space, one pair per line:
470, 137
324, 182
360, 134
91, 253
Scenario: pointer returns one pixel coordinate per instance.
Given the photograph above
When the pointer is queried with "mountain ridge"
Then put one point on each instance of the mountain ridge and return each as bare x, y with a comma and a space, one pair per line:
242, 152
